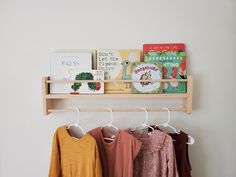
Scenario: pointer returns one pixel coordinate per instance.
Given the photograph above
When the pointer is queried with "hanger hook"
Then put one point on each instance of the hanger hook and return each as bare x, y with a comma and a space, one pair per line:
168, 111
78, 114
146, 114
111, 111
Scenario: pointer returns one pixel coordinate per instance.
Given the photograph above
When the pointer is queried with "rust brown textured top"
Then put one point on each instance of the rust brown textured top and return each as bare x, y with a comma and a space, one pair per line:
116, 156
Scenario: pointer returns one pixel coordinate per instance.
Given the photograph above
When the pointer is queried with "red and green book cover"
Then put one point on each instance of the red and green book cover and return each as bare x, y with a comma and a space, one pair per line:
173, 59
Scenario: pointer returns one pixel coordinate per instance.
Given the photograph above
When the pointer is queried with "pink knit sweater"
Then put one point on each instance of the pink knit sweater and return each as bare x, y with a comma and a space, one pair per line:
157, 156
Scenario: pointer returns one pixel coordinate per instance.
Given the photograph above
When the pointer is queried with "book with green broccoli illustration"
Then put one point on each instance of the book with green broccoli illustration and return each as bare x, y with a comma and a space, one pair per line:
95, 87
65, 66
90, 87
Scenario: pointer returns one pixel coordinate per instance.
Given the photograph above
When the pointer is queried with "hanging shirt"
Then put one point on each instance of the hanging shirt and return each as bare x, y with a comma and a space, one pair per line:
116, 156
73, 157
157, 156
181, 151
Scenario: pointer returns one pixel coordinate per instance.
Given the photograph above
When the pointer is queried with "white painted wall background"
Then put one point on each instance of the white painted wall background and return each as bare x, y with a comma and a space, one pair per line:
30, 30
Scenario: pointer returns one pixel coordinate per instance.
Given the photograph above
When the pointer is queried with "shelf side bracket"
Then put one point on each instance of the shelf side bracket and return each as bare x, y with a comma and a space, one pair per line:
189, 99
47, 103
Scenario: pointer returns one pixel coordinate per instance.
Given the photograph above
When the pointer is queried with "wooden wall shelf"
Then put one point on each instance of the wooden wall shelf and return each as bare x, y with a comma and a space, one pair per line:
48, 98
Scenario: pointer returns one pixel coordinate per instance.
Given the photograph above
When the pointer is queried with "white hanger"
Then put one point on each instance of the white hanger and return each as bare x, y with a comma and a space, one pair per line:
191, 140
77, 123
166, 124
145, 124
110, 124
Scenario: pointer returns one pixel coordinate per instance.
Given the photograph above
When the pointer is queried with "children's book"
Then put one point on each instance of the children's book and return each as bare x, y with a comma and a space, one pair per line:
146, 71
65, 66
116, 65
90, 87
173, 58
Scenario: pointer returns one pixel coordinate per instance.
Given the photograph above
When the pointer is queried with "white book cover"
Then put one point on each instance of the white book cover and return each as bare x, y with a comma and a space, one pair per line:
65, 66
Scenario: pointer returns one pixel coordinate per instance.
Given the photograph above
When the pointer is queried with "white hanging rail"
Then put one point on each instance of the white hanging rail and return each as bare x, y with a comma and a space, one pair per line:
116, 110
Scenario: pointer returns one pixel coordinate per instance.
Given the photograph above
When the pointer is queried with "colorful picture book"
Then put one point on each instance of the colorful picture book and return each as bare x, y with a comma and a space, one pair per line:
173, 58
90, 87
146, 71
65, 66
116, 65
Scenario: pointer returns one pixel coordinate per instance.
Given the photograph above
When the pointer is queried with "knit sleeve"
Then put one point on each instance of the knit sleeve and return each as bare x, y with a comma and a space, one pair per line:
98, 168
171, 159
55, 168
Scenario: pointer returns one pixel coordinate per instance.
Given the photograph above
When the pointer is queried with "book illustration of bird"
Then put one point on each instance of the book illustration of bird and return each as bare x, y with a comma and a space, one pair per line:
125, 64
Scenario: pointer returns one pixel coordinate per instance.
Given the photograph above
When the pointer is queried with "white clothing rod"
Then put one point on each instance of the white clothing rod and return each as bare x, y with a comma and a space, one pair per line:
116, 110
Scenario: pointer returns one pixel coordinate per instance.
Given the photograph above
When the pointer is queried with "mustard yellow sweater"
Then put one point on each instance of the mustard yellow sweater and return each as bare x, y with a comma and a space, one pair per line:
74, 157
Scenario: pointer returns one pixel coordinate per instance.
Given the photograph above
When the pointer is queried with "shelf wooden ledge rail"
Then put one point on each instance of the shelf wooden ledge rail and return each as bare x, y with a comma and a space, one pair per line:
48, 98
107, 81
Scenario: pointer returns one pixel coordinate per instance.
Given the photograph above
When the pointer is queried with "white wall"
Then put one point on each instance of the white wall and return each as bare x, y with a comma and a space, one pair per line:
30, 30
